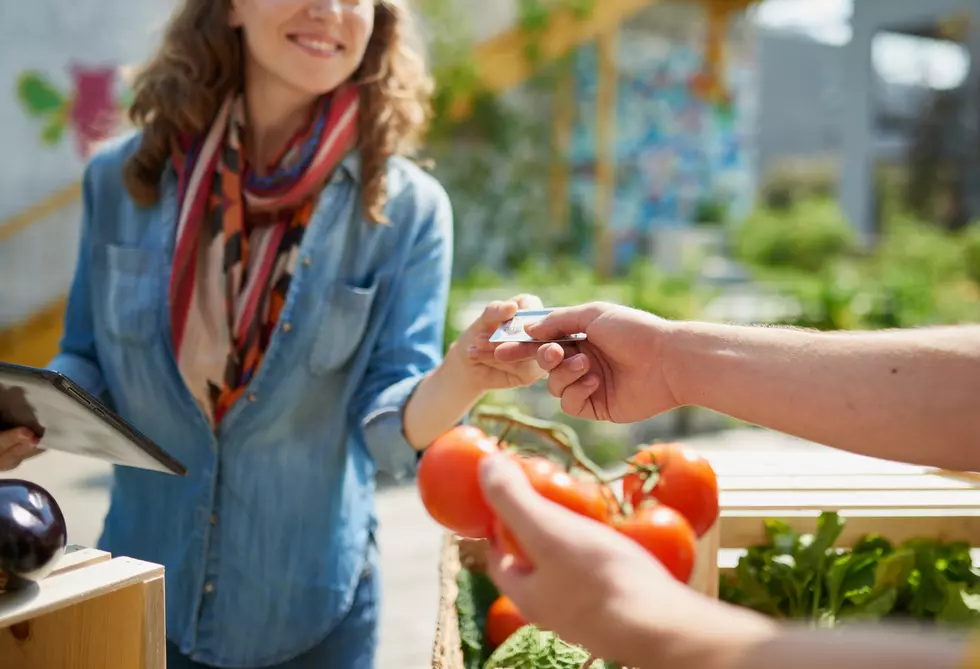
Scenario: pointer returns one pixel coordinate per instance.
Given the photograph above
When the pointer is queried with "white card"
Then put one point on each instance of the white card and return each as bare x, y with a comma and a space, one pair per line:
513, 330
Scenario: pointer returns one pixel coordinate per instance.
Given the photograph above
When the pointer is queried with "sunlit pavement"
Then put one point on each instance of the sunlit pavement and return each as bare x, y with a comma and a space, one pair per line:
409, 540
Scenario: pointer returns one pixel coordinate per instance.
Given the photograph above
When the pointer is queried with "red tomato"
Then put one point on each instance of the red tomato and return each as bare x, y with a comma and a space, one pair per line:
666, 535
449, 482
584, 497
503, 619
685, 481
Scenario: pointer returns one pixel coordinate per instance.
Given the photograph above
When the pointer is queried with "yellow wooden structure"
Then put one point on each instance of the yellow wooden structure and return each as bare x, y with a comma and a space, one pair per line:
501, 64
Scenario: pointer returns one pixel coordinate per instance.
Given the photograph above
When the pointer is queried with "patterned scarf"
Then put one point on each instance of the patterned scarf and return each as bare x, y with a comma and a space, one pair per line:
238, 240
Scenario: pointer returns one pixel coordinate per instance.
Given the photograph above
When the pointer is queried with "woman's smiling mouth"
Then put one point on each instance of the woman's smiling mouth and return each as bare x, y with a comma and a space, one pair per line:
316, 45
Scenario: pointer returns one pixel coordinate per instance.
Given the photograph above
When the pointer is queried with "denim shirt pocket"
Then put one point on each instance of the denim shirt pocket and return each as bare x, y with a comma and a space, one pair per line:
342, 325
132, 307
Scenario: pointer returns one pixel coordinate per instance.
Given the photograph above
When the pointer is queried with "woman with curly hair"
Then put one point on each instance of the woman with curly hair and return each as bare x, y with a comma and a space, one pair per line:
261, 289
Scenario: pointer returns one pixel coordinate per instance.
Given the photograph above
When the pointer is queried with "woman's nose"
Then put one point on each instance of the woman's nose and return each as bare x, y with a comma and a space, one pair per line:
327, 8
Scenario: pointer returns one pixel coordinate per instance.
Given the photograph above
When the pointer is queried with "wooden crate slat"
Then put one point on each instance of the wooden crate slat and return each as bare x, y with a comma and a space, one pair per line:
741, 531
843, 482
79, 556
770, 464
77, 585
833, 500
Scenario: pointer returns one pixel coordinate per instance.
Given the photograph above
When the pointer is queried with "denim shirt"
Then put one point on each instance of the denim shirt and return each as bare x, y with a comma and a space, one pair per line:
265, 539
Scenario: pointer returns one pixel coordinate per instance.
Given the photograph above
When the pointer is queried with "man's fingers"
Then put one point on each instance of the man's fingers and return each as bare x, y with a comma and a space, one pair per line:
566, 373
575, 397
548, 355
509, 577
565, 321
533, 520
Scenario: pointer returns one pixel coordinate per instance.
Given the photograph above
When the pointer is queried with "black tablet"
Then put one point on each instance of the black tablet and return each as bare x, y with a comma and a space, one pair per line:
69, 419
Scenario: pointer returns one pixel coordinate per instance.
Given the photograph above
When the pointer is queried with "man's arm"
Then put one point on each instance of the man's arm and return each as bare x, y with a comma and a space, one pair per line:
910, 395
725, 644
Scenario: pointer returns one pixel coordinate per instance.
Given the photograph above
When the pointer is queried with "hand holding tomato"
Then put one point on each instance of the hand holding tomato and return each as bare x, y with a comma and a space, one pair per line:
595, 586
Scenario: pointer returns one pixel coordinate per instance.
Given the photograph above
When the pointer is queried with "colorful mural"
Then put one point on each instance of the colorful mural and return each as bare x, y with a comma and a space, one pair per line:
91, 110
676, 147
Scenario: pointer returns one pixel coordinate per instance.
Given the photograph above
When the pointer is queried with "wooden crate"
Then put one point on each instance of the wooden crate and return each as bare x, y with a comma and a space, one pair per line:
895, 500
92, 612
471, 554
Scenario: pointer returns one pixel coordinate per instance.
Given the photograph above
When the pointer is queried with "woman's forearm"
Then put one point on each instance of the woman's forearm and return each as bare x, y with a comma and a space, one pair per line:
441, 399
902, 395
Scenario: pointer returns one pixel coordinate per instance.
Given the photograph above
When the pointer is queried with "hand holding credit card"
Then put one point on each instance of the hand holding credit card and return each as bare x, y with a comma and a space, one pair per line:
513, 330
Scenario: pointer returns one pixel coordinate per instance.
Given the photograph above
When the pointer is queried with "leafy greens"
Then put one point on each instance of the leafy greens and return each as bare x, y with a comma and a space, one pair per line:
803, 577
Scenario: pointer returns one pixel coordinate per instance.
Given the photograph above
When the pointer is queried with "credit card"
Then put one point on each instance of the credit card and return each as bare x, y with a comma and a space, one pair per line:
513, 330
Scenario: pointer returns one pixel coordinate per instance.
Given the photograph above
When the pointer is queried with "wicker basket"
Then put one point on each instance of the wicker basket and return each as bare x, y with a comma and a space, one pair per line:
447, 652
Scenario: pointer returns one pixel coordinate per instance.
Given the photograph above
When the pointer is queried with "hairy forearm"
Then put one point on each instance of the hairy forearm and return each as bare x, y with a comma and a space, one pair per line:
909, 395
731, 638
851, 649
440, 401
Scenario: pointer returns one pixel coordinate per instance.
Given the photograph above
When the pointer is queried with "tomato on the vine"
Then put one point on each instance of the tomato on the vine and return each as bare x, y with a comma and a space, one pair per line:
666, 535
449, 481
582, 496
683, 480
503, 619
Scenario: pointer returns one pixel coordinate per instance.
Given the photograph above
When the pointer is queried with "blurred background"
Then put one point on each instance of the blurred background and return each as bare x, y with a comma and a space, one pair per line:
804, 162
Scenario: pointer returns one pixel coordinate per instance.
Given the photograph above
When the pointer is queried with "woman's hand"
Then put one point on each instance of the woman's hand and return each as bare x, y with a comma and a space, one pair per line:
474, 352
16, 446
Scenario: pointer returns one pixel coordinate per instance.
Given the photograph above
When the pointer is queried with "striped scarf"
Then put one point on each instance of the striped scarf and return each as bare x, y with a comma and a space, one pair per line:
238, 241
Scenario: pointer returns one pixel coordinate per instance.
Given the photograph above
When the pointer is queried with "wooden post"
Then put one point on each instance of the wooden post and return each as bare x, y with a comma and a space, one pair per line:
605, 165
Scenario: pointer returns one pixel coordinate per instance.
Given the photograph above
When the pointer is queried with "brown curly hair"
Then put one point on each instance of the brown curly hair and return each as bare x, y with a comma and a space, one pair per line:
179, 91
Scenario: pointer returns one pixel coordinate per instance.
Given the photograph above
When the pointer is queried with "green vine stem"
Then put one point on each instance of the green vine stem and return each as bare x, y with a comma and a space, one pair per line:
561, 435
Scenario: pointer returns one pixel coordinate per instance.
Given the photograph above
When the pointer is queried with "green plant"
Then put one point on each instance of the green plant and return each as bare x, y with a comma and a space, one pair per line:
808, 235
711, 211
804, 577
971, 252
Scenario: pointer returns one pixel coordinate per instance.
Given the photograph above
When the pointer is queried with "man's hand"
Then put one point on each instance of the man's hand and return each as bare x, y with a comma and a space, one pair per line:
597, 588
615, 375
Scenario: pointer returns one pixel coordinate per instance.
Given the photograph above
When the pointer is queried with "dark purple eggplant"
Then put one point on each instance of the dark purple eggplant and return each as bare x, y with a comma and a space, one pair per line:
33, 533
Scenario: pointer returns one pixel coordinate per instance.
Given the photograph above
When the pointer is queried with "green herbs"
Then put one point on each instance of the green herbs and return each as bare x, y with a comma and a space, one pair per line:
802, 577
528, 648
476, 593
531, 648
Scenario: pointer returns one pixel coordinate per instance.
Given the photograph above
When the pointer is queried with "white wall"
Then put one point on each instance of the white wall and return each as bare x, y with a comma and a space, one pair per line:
50, 36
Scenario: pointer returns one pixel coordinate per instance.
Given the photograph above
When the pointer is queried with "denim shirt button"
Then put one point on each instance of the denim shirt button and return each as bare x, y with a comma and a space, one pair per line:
287, 327
208, 588
252, 397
